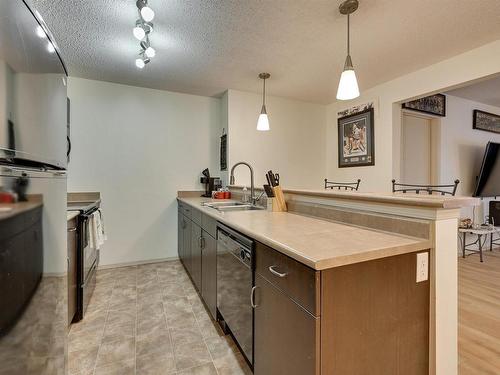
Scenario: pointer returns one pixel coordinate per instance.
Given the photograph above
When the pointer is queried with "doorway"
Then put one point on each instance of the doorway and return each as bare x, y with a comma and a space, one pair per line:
417, 149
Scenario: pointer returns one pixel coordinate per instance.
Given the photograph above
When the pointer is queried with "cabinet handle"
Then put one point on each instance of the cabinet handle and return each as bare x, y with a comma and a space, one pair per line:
71, 229
252, 298
276, 273
200, 242
203, 242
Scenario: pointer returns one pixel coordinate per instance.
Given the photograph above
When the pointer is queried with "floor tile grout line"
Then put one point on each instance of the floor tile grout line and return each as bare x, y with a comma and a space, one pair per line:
104, 328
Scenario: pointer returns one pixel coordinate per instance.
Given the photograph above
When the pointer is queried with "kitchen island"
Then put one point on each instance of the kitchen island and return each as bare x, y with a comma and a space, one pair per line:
352, 300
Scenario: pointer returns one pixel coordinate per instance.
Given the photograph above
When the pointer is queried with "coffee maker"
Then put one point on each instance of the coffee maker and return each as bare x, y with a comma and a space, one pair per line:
211, 183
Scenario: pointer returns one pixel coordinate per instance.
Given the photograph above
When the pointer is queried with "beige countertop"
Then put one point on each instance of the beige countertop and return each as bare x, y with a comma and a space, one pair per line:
8, 210
317, 243
72, 214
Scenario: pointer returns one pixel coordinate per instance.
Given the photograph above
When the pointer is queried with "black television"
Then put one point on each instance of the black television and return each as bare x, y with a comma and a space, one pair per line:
488, 181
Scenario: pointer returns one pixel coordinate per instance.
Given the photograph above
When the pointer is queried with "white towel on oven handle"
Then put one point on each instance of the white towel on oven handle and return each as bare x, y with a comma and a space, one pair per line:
97, 236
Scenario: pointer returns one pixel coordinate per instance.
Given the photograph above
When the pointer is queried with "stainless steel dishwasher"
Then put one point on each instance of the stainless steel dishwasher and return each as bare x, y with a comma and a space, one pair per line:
234, 286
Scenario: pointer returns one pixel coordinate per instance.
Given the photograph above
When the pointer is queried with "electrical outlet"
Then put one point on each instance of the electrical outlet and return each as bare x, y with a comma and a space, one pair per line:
422, 267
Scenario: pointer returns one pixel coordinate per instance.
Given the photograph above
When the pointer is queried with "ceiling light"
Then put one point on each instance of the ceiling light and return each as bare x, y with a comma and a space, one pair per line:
50, 47
150, 52
140, 63
147, 14
40, 32
139, 33
263, 121
348, 85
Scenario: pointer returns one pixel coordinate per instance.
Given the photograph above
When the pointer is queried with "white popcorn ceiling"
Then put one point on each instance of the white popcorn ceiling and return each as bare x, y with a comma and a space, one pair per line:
206, 46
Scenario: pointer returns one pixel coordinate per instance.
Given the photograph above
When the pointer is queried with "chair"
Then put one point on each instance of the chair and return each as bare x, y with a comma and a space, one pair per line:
441, 189
342, 185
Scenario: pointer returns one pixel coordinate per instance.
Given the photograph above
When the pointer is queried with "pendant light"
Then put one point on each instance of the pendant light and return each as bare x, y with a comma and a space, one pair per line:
348, 85
263, 122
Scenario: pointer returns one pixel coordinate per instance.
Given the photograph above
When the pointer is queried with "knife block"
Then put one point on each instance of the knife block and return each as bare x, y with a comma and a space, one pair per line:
279, 203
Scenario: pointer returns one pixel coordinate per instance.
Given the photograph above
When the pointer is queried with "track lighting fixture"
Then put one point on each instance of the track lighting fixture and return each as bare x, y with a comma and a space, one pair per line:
143, 28
146, 12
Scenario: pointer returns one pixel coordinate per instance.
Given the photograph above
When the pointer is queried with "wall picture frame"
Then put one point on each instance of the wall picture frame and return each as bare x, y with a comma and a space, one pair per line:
433, 105
356, 142
485, 121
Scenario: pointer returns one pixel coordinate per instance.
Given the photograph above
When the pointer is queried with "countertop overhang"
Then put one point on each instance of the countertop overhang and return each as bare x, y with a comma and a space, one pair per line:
435, 201
317, 243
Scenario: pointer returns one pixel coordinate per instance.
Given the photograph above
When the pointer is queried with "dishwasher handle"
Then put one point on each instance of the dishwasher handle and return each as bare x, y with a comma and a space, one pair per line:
252, 297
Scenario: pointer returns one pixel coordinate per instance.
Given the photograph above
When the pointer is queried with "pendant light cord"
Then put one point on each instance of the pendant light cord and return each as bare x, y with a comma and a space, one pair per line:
264, 94
348, 37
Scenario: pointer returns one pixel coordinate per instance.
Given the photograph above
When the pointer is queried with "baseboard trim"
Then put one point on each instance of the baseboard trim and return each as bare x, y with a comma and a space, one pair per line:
138, 263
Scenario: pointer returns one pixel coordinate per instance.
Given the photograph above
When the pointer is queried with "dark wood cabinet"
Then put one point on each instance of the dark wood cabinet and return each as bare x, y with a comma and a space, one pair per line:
286, 336
180, 235
196, 241
21, 263
209, 272
187, 244
197, 248
72, 268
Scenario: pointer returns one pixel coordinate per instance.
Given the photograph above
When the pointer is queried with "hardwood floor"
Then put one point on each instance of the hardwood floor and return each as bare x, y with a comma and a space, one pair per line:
479, 314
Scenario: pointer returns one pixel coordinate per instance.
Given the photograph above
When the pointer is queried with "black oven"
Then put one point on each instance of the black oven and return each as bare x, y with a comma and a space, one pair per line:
87, 257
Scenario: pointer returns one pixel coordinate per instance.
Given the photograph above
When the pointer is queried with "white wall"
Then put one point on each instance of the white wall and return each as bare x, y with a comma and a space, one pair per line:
461, 148
138, 147
294, 147
472, 65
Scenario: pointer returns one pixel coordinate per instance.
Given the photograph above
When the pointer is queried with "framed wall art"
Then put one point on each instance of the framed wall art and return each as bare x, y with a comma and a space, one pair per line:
486, 121
433, 105
356, 141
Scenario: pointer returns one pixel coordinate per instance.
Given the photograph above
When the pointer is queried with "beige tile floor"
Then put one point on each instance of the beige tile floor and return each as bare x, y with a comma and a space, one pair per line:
149, 320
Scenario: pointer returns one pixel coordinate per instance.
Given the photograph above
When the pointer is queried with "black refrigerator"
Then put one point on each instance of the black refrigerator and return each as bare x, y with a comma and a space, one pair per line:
33, 239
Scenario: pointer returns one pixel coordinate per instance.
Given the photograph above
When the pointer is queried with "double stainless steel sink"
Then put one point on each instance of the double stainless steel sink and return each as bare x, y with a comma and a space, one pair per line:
232, 206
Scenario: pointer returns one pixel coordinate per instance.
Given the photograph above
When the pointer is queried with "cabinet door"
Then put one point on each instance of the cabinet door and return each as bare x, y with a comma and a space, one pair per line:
12, 278
209, 272
286, 336
187, 244
180, 234
72, 269
196, 255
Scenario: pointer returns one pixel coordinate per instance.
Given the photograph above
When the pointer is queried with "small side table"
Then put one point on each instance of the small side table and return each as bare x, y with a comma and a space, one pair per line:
479, 232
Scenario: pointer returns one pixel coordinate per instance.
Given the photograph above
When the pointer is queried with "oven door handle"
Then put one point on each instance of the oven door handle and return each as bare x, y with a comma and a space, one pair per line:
90, 274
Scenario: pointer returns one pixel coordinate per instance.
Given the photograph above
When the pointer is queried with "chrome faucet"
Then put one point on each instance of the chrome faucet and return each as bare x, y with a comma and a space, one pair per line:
252, 187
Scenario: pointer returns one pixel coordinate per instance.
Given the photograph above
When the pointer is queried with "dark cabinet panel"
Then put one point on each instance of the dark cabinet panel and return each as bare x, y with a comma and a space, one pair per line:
187, 245
286, 336
72, 269
299, 282
209, 272
21, 264
196, 255
180, 234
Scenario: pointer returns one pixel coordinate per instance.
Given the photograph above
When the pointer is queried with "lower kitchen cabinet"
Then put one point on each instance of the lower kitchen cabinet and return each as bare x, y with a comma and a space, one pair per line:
286, 337
209, 272
196, 242
187, 244
180, 235
197, 249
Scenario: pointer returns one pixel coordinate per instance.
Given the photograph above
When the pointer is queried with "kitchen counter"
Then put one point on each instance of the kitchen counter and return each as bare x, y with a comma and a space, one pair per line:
72, 214
435, 201
317, 243
8, 210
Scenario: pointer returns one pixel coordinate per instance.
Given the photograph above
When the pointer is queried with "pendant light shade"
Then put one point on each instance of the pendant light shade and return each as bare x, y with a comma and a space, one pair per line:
263, 121
348, 85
